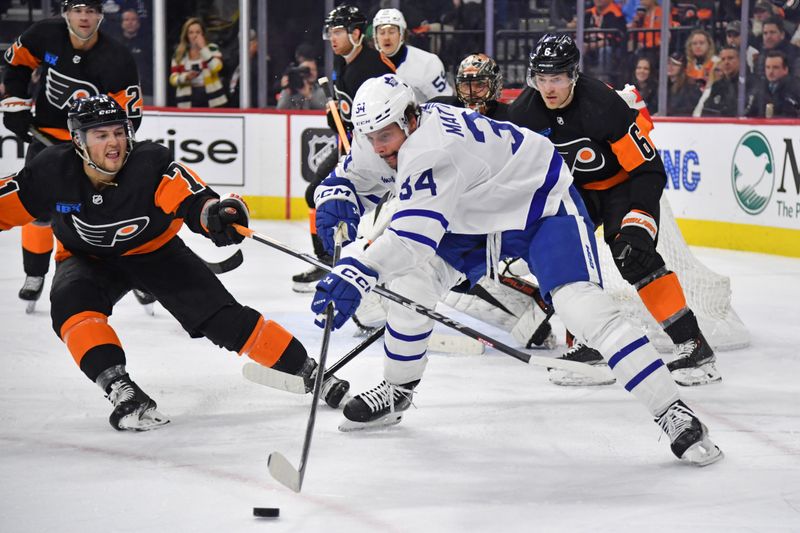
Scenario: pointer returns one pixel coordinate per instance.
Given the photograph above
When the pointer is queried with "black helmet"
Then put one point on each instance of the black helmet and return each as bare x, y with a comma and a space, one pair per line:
68, 4
554, 54
345, 16
91, 112
479, 66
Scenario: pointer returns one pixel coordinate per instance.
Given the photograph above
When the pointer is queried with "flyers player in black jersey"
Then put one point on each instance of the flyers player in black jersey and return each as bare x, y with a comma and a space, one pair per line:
73, 60
621, 178
354, 63
116, 207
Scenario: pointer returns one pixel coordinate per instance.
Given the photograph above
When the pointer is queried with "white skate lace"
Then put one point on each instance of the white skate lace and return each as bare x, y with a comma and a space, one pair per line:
684, 349
377, 398
493, 245
33, 283
675, 421
121, 391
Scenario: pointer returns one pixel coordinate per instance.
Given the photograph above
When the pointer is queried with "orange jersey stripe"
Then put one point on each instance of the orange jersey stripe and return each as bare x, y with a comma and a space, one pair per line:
266, 343
12, 212
388, 62
663, 297
635, 147
154, 244
61, 252
22, 57
312, 220
37, 239
57, 133
85, 330
607, 183
131, 103
176, 187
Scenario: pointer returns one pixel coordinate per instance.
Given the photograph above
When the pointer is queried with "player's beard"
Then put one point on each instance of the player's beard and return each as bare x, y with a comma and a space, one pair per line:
392, 157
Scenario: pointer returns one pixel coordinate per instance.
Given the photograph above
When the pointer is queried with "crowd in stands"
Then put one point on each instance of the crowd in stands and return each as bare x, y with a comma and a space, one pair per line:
621, 45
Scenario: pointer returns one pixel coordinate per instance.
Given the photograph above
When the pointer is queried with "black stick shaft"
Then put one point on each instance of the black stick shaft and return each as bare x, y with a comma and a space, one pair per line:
349, 356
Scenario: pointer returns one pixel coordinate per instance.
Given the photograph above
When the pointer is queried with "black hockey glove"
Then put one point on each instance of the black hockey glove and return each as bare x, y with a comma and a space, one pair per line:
218, 215
634, 249
18, 122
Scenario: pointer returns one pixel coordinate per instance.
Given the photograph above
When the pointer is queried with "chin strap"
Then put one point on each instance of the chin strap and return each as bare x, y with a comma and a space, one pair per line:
72, 32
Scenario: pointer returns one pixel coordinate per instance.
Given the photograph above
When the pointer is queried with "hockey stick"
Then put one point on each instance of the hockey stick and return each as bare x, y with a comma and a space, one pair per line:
323, 82
280, 467
526, 287
548, 362
226, 265
268, 377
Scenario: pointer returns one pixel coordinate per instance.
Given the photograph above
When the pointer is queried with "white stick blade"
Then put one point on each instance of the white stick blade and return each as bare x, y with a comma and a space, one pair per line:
273, 378
455, 344
282, 470
592, 371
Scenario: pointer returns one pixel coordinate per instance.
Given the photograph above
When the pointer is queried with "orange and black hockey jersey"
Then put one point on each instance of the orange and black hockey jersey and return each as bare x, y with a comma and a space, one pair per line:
348, 77
153, 196
603, 141
66, 74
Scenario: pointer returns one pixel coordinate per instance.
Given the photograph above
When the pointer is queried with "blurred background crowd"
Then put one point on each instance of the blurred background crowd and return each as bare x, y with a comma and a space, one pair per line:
621, 45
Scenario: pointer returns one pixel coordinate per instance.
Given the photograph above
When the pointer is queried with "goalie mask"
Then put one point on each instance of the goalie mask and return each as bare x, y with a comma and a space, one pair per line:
68, 5
389, 17
382, 101
92, 112
478, 81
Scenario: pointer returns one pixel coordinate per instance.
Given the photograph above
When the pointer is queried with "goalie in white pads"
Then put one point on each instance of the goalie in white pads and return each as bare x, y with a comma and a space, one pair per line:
463, 173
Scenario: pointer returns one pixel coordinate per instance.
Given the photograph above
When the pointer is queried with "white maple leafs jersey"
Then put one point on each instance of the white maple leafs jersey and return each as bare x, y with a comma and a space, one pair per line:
459, 172
424, 72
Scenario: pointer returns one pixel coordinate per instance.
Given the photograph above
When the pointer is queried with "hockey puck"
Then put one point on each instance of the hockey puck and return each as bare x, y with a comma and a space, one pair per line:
266, 512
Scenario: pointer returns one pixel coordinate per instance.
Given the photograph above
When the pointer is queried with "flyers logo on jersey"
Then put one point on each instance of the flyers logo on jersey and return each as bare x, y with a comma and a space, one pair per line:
109, 235
581, 155
61, 90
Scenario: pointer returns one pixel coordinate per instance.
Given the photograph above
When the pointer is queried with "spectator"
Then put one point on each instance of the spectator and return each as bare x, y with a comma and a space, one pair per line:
682, 92
234, 86
762, 11
603, 47
299, 88
723, 98
700, 58
646, 83
141, 47
778, 95
733, 37
630, 9
648, 17
773, 37
195, 67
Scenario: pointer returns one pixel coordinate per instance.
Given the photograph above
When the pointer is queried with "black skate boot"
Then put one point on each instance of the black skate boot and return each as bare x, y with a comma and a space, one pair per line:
693, 363
31, 291
582, 354
133, 409
306, 281
334, 390
688, 436
380, 406
146, 300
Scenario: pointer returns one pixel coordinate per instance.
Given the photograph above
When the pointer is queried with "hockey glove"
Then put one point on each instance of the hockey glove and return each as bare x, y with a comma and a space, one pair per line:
634, 249
345, 286
336, 201
17, 117
218, 215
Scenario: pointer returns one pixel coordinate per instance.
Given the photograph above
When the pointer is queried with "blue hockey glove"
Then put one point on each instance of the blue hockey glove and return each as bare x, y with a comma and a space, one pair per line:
218, 215
336, 201
345, 286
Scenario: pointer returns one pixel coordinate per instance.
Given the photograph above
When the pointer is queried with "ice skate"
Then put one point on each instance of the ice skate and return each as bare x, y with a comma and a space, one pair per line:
688, 436
31, 291
582, 354
306, 281
373, 408
146, 300
334, 390
133, 410
694, 363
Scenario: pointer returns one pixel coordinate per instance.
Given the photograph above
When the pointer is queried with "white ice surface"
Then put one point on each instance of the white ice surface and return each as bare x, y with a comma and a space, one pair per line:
493, 446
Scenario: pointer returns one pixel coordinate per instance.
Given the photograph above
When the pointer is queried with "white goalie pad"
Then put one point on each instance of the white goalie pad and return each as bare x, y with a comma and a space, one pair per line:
371, 226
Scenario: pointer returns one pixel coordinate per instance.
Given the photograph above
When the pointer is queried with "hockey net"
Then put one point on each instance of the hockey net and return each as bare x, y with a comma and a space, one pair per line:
708, 294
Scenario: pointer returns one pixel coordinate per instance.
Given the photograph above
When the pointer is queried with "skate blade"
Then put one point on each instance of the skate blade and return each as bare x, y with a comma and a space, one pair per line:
565, 378
304, 287
692, 377
150, 419
702, 453
30, 307
347, 426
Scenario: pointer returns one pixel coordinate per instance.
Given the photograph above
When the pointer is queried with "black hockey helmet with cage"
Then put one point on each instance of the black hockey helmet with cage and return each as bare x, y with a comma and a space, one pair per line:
69, 4
346, 16
479, 66
554, 54
92, 112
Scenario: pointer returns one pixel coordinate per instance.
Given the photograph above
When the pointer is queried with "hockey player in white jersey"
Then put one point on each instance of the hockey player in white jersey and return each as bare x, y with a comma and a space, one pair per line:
422, 70
465, 179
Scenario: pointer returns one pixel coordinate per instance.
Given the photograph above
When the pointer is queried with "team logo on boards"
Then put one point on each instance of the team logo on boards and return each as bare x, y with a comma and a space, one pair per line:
753, 172
317, 144
108, 235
